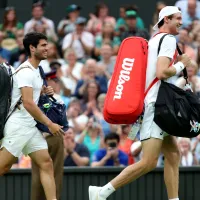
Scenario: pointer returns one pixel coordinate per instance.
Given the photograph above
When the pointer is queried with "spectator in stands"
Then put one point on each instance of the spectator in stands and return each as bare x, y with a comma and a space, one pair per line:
190, 11
52, 56
92, 136
121, 25
183, 5
72, 71
8, 29
198, 60
98, 113
81, 41
187, 49
121, 22
125, 143
195, 34
107, 37
51, 35
10, 23
184, 36
24, 162
159, 6
75, 154
97, 19
191, 14
110, 155
1, 36
187, 157
90, 73
193, 79
76, 118
107, 62
19, 55
196, 147
7, 48
38, 19
55, 83
67, 25
89, 101
132, 30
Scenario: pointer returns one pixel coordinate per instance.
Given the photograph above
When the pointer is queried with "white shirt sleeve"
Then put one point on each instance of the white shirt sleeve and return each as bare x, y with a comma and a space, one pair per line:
25, 78
168, 47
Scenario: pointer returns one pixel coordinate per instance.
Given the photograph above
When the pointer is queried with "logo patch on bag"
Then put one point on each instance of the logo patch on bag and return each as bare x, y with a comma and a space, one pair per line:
195, 126
46, 105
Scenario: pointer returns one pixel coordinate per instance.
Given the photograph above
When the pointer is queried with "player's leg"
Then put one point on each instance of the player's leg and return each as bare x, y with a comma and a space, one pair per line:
55, 149
171, 166
151, 151
37, 149
7, 160
45, 165
12, 144
152, 138
37, 191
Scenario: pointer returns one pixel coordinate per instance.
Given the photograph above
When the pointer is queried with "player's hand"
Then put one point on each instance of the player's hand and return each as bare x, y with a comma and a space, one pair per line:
185, 59
56, 129
48, 90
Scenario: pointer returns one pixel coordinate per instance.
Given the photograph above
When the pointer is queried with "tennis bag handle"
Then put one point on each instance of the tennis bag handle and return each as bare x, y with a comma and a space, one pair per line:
184, 70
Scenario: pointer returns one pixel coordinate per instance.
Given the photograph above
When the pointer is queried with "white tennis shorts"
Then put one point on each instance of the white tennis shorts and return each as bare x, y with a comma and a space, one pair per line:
21, 139
149, 128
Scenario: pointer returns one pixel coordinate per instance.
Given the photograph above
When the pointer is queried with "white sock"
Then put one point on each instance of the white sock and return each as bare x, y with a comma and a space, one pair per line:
174, 199
106, 190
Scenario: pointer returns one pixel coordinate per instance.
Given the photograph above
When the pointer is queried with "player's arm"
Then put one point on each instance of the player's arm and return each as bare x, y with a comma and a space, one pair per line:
32, 108
36, 113
165, 71
165, 56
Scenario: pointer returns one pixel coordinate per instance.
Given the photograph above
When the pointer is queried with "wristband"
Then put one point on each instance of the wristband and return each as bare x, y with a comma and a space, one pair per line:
179, 66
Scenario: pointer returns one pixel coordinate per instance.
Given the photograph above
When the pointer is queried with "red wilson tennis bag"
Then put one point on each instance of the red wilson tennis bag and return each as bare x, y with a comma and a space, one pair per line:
125, 97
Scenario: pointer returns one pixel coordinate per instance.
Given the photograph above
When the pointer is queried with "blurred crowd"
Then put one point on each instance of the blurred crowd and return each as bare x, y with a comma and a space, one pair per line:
81, 60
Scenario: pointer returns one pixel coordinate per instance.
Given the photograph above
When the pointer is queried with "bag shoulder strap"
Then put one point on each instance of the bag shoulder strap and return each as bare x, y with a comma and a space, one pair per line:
20, 99
160, 42
156, 79
185, 75
42, 74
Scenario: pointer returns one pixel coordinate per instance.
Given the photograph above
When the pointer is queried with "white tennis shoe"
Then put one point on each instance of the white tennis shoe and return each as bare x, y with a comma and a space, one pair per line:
94, 193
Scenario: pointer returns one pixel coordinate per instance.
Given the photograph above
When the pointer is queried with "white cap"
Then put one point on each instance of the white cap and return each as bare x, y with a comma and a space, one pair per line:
166, 11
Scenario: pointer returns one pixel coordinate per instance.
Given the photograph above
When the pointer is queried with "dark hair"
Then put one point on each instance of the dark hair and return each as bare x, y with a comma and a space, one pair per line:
85, 95
38, 4
112, 136
98, 7
54, 65
111, 35
5, 21
161, 23
131, 7
32, 38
